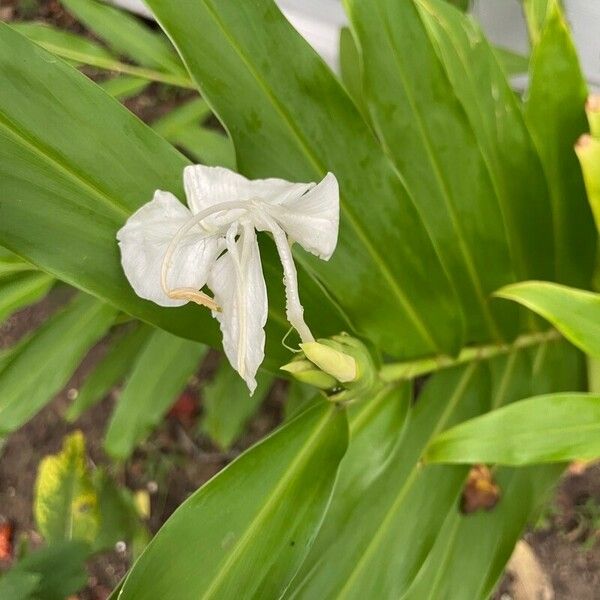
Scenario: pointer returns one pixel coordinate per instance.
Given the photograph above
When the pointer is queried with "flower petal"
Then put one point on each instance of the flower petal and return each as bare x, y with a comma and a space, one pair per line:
144, 241
238, 284
312, 220
207, 186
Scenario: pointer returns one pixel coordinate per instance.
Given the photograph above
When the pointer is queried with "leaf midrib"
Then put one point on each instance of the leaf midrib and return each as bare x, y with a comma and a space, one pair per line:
263, 514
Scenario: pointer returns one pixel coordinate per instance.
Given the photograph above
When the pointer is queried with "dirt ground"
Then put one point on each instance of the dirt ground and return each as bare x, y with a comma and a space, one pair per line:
176, 460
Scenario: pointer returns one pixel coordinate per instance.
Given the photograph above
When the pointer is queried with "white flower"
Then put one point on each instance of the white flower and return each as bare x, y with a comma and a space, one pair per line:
170, 252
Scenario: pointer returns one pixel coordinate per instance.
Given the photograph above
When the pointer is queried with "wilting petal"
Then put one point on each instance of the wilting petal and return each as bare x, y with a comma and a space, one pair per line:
207, 186
144, 241
312, 219
238, 284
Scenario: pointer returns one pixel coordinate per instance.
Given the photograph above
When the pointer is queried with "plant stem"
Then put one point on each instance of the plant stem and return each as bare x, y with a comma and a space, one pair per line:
408, 370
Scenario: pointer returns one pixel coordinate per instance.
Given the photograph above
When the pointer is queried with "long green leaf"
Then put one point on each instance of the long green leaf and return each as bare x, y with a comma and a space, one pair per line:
124, 86
506, 145
64, 199
556, 117
437, 149
552, 428
126, 34
158, 375
251, 526
206, 146
43, 365
110, 370
64, 43
395, 536
227, 406
575, 313
288, 116
21, 290
188, 115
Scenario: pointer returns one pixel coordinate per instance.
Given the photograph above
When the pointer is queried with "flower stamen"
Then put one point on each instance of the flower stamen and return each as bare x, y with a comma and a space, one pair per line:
189, 293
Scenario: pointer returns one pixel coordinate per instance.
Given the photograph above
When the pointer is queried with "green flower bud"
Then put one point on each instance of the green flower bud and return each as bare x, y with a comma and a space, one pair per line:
329, 359
306, 372
341, 365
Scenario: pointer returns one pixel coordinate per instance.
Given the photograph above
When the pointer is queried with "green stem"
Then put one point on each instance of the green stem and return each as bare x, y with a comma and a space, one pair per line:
408, 370
119, 67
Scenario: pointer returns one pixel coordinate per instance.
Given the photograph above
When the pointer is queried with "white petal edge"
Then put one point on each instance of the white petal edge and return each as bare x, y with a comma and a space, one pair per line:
144, 240
206, 186
313, 219
238, 284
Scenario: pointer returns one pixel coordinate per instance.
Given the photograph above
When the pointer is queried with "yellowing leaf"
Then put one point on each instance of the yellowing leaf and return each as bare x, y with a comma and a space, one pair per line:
66, 504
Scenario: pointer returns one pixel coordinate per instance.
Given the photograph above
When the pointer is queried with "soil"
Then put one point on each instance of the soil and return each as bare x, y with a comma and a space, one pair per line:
176, 459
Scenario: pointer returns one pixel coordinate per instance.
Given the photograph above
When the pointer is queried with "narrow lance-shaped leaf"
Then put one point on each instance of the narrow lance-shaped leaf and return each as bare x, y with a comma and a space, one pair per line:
43, 364
555, 115
158, 375
575, 313
21, 290
422, 121
553, 428
288, 116
227, 406
496, 117
251, 526
110, 370
126, 34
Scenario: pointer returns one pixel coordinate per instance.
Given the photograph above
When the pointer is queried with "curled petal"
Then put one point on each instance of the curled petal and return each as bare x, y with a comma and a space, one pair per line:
144, 240
238, 284
312, 219
207, 186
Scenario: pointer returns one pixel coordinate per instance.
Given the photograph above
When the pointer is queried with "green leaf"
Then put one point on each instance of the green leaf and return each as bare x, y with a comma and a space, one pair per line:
438, 150
63, 200
126, 34
363, 552
19, 585
79, 50
188, 115
123, 87
22, 290
510, 153
11, 264
207, 146
289, 117
350, 70
551, 428
64, 43
536, 12
44, 363
253, 523
158, 375
65, 502
575, 313
60, 569
556, 117
119, 519
110, 370
227, 405
513, 63
471, 551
